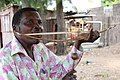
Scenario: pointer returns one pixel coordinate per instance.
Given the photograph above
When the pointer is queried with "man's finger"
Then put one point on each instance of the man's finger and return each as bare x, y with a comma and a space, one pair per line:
97, 33
91, 30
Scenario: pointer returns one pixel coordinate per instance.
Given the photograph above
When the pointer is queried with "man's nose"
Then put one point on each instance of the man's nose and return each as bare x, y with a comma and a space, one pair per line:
37, 28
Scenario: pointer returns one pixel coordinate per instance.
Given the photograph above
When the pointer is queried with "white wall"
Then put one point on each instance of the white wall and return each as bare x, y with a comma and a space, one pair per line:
86, 4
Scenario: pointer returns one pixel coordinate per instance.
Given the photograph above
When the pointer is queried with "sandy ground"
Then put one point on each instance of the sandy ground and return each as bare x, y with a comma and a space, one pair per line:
100, 64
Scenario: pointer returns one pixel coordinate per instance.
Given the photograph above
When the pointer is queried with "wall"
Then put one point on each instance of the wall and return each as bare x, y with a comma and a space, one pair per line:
111, 36
6, 23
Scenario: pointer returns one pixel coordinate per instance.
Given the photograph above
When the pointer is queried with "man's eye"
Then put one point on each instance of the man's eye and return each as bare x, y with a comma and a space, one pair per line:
39, 22
30, 22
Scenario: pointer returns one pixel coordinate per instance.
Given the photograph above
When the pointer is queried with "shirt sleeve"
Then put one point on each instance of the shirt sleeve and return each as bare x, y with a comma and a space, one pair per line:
3, 76
58, 67
6, 72
69, 63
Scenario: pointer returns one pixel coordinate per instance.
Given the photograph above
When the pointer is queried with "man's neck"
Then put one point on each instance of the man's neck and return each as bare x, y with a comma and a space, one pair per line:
28, 47
29, 50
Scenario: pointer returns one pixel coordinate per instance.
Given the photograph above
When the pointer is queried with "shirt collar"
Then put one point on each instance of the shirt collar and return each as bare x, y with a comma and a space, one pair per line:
17, 47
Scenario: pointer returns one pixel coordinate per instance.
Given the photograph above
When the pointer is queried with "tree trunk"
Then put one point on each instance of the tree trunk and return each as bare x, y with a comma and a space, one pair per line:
60, 26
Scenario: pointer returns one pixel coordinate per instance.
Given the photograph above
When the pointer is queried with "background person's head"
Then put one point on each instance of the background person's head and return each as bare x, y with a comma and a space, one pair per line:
27, 20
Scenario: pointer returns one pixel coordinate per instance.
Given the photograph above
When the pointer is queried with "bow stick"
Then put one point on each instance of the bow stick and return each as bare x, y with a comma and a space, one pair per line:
32, 35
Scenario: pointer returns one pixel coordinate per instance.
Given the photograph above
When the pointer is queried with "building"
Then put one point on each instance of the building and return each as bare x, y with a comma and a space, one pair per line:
6, 32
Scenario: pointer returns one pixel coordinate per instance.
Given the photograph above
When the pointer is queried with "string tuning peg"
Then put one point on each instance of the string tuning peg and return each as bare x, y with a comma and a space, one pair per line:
75, 56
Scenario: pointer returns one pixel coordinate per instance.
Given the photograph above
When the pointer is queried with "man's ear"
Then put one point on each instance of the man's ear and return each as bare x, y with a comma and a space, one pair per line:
16, 28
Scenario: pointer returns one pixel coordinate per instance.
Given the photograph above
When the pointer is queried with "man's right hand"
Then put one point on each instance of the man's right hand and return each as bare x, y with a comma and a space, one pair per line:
70, 76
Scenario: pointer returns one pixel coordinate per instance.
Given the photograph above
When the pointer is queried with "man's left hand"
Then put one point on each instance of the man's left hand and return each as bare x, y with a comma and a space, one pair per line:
91, 36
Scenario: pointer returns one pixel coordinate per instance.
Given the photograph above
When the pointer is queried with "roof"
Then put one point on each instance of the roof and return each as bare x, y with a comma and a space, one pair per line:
73, 16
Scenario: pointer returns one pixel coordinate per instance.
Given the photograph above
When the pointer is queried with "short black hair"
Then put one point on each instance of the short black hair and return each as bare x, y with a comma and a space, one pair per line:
18, 15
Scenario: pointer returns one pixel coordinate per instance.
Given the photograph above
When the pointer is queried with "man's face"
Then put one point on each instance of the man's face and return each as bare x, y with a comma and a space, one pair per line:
30, 23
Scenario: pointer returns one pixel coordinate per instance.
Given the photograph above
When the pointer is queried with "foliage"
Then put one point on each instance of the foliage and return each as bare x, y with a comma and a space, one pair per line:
109, 2
39, 4
4, 3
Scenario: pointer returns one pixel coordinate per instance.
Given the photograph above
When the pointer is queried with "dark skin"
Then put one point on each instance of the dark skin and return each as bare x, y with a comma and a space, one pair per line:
31, 23
91, 36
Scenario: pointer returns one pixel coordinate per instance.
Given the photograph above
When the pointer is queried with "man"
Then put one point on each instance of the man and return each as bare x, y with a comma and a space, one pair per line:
24, 59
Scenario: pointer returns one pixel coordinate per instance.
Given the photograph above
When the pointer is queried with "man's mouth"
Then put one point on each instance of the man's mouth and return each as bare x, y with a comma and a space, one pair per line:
37, 36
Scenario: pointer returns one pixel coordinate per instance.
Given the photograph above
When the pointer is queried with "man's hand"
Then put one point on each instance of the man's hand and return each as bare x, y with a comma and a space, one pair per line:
70, 76
91, 36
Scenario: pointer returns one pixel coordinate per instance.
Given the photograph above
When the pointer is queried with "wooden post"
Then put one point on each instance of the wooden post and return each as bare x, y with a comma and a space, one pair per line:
107, 37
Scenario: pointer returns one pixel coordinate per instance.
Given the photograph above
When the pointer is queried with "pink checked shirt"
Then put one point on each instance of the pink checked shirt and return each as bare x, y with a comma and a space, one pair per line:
15, 64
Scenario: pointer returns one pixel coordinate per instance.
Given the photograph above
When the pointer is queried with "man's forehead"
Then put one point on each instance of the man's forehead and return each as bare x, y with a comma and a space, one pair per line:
31, 14
28, 18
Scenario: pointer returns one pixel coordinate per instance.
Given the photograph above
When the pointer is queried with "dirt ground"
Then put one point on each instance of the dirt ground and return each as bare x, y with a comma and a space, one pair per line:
100, 64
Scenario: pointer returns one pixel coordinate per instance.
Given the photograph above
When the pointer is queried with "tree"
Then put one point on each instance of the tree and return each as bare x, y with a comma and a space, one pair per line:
4, 3
60, 26
109, 2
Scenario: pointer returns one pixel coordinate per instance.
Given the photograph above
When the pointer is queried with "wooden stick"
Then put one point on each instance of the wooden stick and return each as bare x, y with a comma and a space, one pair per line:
48, 33
53, 33
107, 29
53, 40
